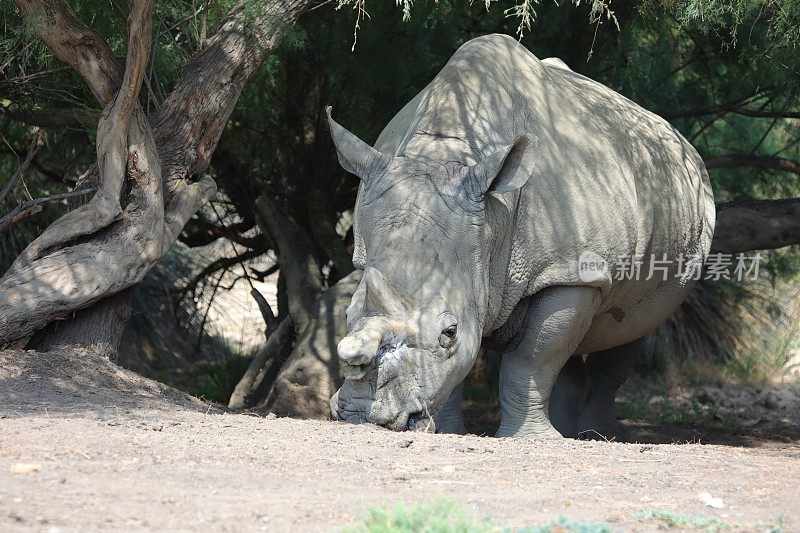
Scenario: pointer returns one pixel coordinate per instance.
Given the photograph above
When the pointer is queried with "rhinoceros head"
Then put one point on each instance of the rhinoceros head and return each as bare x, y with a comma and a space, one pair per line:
416, 321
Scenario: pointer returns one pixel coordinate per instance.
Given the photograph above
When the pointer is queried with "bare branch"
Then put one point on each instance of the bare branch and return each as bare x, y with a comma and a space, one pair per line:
28, 209
735, 160
266, 310
222, 263
261, 364
730, 107
767, 114
54, 118
724, 107
20, 172
187, 199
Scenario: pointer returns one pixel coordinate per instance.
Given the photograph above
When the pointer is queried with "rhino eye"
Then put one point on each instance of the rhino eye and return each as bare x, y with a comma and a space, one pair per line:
448, 336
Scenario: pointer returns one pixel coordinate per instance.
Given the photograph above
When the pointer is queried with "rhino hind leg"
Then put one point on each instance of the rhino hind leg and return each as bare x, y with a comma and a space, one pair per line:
450, 418
556, 321
607, 371
569, 396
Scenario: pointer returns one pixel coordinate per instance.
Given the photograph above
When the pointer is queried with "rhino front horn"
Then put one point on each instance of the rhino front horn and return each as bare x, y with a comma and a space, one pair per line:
360, 347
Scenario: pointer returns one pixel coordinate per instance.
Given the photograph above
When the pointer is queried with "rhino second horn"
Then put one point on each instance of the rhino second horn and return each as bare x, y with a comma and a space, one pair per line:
381, 298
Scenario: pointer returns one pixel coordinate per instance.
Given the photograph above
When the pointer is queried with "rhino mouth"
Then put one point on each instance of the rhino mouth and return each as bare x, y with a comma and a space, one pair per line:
420, 421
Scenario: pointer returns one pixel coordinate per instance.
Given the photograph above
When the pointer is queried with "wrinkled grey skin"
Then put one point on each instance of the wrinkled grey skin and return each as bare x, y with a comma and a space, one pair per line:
475, 204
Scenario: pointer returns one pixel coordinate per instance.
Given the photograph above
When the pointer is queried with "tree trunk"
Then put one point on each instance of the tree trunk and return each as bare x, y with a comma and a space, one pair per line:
99, 327
264, 363
108, 244
302, 274
308, 379
297, 260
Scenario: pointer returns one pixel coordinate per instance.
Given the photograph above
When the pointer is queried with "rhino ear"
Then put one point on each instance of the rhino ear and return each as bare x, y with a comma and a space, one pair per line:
356, 156
506, 170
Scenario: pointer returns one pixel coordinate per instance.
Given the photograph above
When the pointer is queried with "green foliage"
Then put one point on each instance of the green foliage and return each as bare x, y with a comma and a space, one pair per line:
633, 409
768, 358
567, 525
694, 414
523, 12
684, 59
678, 520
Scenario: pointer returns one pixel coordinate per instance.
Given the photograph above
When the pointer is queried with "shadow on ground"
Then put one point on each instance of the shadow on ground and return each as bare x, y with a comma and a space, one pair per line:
76, 383
723, 414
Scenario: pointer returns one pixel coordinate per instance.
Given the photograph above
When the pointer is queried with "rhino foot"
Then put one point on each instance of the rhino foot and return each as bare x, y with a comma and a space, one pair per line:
606, 428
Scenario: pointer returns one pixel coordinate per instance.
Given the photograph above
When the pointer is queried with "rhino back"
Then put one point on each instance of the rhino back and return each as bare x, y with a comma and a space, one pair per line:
613, 178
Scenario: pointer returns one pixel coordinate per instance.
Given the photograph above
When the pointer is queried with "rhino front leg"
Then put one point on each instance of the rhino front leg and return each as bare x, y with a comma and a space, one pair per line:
450, 418
607, 370
556, 322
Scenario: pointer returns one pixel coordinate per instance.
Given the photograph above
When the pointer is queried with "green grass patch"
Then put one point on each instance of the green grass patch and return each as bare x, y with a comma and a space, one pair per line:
566, 525
439, 516
633, 409
672, 519
691, 414
445, 516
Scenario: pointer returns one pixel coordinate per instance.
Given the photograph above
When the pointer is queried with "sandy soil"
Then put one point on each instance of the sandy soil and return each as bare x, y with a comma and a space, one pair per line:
86, 445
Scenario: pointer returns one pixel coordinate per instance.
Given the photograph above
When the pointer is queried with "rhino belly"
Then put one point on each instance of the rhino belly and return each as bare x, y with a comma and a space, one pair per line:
645, 307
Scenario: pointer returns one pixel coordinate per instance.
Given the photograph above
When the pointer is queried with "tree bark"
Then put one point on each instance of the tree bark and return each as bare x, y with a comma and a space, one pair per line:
99, 327
757, 225
82, 259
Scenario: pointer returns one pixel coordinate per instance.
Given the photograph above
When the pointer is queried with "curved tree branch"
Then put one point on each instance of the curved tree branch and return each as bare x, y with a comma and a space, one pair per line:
112, 146
757, 225
54, 118
735, 160
80, 272
74, 44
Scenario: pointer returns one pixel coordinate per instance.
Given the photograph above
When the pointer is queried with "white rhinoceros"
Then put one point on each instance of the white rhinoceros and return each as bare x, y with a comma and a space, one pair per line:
475, 205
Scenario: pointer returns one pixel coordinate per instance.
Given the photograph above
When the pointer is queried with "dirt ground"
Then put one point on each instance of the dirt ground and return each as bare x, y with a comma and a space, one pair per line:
86, 445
